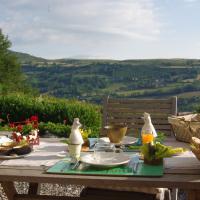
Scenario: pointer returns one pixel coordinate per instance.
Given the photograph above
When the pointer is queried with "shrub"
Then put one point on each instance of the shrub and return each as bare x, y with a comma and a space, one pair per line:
48, 109
58, 129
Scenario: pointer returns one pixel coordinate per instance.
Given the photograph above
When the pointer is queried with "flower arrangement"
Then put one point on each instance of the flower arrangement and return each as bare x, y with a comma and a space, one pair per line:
26, 130
85, 133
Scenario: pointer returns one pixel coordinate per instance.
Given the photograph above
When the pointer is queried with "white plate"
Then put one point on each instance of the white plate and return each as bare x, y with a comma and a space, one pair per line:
4, 157
129, 140
107, 159
12, 157
126, 140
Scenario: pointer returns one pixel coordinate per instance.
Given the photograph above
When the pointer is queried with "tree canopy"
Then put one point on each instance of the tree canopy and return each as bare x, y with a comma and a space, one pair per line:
11, 77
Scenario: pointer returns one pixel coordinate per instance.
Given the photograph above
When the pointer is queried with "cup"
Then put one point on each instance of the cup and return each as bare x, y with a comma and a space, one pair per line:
103, 151
74, 151
116, 132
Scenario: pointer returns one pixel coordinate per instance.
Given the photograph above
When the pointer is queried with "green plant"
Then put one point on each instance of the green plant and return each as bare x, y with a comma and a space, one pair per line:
27, 129
5, 128
57, 129
153, 151
49, 109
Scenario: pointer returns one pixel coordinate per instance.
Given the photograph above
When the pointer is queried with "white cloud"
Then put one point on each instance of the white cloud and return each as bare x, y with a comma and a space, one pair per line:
78, 22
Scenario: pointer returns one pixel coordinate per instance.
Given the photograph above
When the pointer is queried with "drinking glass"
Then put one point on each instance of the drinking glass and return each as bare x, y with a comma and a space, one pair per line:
103, 151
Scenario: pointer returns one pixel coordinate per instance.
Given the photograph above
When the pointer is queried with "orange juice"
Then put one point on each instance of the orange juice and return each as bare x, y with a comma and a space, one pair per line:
147, 138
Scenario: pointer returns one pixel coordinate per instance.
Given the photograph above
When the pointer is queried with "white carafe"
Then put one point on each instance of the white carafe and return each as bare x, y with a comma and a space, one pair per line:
148, 127
75, 140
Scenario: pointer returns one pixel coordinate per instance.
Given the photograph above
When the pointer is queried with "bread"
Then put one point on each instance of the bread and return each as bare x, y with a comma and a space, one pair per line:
8, 144
196, 142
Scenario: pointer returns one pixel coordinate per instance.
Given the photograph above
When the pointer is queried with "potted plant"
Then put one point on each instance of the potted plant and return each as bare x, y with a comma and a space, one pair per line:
154, 152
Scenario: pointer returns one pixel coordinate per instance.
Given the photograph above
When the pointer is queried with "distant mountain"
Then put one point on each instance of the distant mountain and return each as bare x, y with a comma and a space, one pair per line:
68, 62
27, 58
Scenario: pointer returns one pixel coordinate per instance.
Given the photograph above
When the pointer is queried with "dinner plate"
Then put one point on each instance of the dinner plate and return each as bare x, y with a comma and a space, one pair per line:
108, 159
127, 140
14, 156
2, 157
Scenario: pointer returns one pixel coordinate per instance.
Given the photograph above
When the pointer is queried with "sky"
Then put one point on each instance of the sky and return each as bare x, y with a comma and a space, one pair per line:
103, 29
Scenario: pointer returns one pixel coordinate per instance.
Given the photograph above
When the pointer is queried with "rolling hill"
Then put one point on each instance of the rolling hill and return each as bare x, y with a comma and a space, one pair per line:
90, 80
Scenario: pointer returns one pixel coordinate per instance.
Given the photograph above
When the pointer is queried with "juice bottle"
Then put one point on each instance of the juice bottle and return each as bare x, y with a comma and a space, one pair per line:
148, 131
147, 136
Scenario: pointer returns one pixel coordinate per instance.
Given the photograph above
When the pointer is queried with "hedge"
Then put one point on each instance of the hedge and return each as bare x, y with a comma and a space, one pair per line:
18, 108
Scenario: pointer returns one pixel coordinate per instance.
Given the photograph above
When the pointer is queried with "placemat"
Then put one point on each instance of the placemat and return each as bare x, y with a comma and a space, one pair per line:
64, 167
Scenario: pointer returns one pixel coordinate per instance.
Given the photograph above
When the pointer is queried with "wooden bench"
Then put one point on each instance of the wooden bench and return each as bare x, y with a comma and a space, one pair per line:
130, 111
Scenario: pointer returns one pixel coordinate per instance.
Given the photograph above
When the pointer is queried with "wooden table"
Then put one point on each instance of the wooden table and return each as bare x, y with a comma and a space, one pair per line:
188, 179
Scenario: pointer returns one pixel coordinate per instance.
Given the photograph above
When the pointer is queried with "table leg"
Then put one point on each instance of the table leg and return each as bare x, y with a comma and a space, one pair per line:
193, 194
174, 194
33, 188
9, 189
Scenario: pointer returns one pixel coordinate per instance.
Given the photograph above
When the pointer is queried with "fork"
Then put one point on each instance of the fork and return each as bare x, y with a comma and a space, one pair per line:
75, 166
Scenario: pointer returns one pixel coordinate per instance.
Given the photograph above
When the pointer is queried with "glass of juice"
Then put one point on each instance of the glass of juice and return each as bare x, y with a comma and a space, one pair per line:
147, 138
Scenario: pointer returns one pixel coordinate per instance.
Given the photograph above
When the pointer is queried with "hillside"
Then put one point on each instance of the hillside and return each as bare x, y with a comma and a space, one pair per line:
25, 58
91, 80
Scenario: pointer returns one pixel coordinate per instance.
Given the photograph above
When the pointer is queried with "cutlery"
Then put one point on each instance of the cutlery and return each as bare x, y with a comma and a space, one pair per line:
63, 168
76, 165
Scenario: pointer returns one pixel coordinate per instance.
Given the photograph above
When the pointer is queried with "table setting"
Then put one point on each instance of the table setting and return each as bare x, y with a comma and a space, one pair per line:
112, 155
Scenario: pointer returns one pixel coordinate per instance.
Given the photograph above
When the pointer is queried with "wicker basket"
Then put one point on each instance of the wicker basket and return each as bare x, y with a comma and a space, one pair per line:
185, 127
196, 152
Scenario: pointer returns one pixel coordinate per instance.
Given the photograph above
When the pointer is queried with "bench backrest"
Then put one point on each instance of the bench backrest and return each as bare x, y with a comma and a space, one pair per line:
130, 111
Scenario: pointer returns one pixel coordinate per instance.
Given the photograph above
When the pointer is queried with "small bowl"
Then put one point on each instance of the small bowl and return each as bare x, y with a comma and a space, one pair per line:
116, 133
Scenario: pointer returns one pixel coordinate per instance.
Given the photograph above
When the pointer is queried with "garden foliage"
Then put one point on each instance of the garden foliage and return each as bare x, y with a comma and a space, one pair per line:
18, 108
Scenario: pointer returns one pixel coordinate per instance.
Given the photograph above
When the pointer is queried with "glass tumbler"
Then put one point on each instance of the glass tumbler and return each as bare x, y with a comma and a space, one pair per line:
104, 151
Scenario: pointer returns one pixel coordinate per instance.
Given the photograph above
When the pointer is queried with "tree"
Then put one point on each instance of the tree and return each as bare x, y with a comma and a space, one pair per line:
11, 77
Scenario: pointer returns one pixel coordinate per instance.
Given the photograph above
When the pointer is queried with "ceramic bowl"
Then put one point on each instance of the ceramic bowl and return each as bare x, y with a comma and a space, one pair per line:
116, 133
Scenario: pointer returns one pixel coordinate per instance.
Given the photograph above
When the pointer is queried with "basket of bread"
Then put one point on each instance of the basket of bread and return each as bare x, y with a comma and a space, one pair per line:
185, 127
195, 147
10, 147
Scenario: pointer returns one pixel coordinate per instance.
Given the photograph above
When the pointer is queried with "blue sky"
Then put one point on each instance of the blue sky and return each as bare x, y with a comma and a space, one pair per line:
107, 29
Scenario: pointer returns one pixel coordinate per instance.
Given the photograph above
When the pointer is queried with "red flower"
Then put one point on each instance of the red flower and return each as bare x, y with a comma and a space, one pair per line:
34, 118
19, 128
27, 121
12, 125
17, 137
